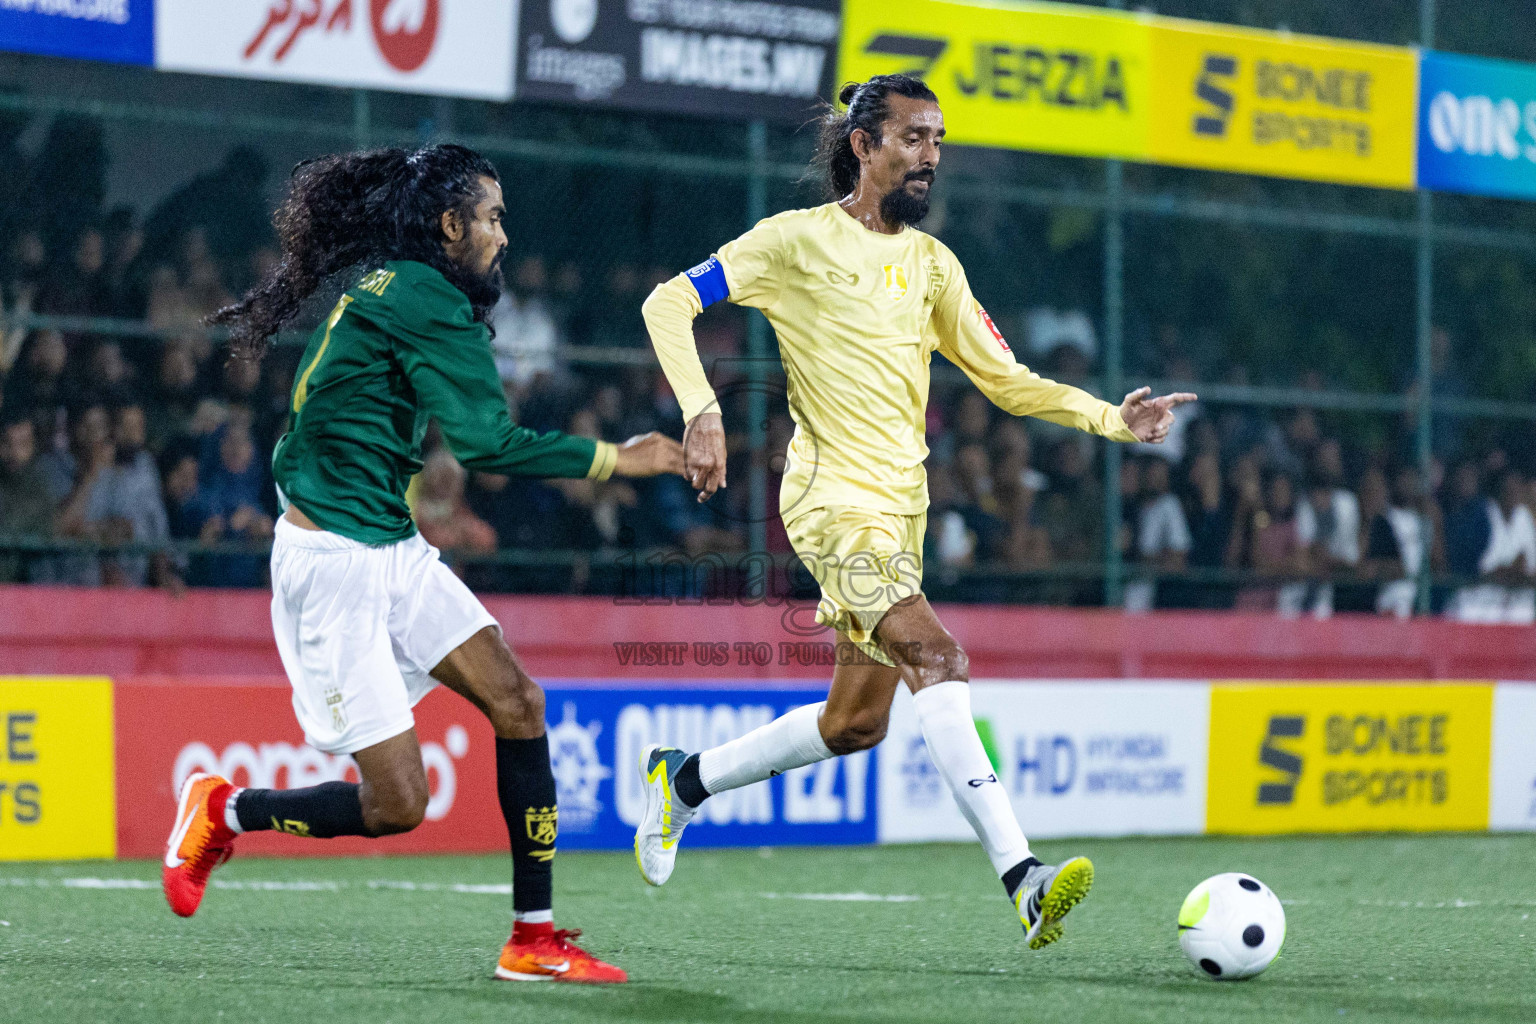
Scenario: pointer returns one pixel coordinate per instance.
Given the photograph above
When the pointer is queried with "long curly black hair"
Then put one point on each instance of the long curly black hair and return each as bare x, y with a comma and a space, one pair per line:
353, 209
866, 105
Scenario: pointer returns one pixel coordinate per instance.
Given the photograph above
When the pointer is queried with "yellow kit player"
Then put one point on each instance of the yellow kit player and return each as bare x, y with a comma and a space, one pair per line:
860, 300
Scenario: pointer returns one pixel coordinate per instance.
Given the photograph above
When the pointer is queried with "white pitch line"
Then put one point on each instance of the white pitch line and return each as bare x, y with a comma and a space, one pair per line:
840, 897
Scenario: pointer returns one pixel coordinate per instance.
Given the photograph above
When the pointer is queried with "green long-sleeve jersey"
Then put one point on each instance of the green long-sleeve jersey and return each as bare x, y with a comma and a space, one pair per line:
401, 347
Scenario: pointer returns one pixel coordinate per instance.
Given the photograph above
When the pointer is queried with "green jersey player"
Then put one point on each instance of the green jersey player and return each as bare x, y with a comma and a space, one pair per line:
367, 618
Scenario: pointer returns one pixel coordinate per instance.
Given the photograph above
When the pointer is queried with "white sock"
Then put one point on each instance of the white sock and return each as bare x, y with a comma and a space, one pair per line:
230, 817
533, 916
944, 713
792, 740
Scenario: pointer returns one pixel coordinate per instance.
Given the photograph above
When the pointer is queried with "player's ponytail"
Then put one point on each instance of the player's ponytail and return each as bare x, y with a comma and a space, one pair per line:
348, 209
865, 106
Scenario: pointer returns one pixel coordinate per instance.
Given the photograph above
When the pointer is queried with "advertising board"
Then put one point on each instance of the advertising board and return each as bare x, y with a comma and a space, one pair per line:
1349, 758
1077, 759
56, 768
119, 31
449, 47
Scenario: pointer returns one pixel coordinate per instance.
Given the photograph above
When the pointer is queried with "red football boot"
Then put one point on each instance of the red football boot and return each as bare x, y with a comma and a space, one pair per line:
539, 953
200, 841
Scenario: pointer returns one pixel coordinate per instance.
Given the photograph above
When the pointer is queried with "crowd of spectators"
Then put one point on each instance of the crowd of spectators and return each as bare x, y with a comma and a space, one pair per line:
114, 438
1240, 512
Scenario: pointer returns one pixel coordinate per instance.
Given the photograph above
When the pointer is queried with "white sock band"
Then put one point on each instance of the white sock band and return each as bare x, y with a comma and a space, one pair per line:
944, 713
230, 817
790, 741
533, 916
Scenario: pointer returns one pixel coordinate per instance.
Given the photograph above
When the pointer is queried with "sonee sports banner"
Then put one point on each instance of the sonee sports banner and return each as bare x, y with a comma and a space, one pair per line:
1362, 758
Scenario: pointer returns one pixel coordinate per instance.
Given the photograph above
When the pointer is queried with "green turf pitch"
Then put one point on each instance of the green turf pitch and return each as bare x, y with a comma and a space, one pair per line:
1380, 929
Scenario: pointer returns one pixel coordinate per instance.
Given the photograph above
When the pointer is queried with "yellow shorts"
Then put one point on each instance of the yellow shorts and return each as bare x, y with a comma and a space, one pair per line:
865, 561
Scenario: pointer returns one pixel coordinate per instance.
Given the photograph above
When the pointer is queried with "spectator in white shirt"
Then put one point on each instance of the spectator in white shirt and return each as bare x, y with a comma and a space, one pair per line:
1507, 591
527, 335
1398, 542
1328, 523
1162, 533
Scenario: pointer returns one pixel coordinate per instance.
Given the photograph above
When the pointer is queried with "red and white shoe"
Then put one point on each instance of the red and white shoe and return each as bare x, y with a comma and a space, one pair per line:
539, 953
200, 841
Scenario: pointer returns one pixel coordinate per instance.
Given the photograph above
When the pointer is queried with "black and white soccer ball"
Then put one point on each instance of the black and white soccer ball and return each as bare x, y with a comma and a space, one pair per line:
1231, 926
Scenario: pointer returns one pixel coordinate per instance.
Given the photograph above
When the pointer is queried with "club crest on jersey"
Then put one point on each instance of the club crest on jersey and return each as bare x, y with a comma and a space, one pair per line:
935, 279
541, 822
986, 318
895, 280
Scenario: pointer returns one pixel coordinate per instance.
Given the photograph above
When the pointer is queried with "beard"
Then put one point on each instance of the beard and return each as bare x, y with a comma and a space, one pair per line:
900, 206
482, 290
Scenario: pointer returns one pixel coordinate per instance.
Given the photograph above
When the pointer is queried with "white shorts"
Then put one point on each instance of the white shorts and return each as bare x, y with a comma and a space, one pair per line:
360, 629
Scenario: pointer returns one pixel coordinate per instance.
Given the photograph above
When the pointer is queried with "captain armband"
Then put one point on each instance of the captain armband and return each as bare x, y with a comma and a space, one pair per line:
708, 279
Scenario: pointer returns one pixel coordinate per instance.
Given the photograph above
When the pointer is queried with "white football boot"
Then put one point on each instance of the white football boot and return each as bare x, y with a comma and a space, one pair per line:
665, 813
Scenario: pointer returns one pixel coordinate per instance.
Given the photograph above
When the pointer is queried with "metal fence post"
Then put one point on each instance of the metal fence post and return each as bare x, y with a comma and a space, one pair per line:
757, 353
1424, 356
362, 119
1114, 372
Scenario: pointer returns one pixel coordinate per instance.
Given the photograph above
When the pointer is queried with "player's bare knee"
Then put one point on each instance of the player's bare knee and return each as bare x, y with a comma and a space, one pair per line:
941, 663
515, 705
852, 733
402, 816
398, 805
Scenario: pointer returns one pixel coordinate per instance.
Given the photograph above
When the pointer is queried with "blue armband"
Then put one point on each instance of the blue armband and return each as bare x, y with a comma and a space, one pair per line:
708, 279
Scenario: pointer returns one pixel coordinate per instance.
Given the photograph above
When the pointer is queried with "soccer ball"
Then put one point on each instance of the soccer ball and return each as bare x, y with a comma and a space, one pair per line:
1231, 926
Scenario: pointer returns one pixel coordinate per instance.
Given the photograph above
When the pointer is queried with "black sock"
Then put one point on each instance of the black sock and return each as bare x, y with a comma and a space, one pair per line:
690, 790
323, 811
525, 785
1014, 876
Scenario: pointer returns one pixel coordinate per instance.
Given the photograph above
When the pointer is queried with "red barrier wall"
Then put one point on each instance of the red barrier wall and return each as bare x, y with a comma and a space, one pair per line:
226, 632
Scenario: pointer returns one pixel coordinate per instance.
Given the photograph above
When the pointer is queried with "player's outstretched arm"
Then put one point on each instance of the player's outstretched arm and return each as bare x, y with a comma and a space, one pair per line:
1151, 418
649, 454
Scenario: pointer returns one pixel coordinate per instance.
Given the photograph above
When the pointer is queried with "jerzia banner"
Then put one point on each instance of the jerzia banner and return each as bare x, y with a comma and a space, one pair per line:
734, 58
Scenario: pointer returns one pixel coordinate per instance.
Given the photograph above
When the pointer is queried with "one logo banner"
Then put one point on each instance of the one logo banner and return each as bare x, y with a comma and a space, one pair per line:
1032, 76
120, 31
1477, 126
449, 47
1382, 757
1296, 107
1076, 759
56, 769
737, 58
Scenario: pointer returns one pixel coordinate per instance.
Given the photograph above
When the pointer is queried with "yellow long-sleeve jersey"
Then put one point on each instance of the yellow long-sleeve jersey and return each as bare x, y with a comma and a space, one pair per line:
858, 316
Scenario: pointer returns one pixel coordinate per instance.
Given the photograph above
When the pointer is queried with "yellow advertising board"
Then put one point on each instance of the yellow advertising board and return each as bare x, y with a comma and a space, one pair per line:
1083, 81
56, 769
1292, 106
1348, 758
1049, 77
